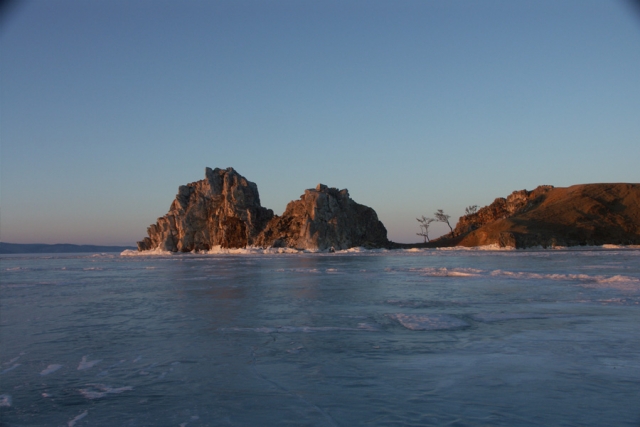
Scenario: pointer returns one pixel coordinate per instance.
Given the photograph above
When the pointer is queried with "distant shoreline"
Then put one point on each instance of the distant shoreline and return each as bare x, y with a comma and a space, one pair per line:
42, 248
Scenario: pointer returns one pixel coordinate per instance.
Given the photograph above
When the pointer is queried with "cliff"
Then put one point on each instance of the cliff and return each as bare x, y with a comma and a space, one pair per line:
224, 209
324, 218
588, 214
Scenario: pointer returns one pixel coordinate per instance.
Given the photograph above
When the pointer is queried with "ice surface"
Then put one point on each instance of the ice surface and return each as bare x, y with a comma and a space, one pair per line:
623, 283
193, 418
497, 317
302, 329
352, 338
428, 322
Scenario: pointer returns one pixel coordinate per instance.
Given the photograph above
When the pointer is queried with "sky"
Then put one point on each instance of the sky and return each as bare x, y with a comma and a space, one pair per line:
107, 106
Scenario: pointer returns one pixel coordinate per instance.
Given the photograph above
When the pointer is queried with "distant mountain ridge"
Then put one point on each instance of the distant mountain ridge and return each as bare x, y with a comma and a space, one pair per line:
42, 248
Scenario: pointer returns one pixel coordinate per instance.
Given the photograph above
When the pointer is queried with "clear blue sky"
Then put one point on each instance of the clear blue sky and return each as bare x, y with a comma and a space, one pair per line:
108, 106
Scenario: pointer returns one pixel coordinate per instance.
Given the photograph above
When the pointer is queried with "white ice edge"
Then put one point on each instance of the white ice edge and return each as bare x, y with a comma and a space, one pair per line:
493, 247
254, 250
617, 281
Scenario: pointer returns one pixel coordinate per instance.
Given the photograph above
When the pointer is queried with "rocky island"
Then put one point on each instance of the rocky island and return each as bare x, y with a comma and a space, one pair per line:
325, 218
224, 210
587, 214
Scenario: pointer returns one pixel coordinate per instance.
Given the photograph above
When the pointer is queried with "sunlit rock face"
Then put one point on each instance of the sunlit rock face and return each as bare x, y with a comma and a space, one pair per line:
322, 219
222, 209
586, 214
516, 203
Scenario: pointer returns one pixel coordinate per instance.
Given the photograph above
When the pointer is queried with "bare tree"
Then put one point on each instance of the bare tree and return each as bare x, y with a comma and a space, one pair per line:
470, 210
442, 217
424, 227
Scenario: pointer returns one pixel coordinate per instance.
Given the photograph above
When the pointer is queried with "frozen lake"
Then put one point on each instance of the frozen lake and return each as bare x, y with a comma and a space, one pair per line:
406, 338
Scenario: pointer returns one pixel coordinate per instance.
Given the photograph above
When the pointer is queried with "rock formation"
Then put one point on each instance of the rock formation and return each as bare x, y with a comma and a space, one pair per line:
324, 218
222, 209
588, 214
517, 202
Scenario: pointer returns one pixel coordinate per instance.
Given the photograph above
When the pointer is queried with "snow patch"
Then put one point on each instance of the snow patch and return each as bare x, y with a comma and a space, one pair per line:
97, 391
10, 368
87, 364
50, 369
492, 247
617, 282
5, 401
303, 329
497, 317
446, 272
428, 322
73, 422
131, 252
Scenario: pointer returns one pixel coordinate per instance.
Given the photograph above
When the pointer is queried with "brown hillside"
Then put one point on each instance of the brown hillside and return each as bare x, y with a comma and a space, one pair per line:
587, 214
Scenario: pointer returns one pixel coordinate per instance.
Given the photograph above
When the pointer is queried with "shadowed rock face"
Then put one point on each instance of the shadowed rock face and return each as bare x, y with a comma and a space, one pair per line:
222, 209
588, 214
324, 218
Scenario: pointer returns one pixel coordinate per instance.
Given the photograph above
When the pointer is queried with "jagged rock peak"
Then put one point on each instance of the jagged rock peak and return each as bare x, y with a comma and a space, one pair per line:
222, 209
322, 219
